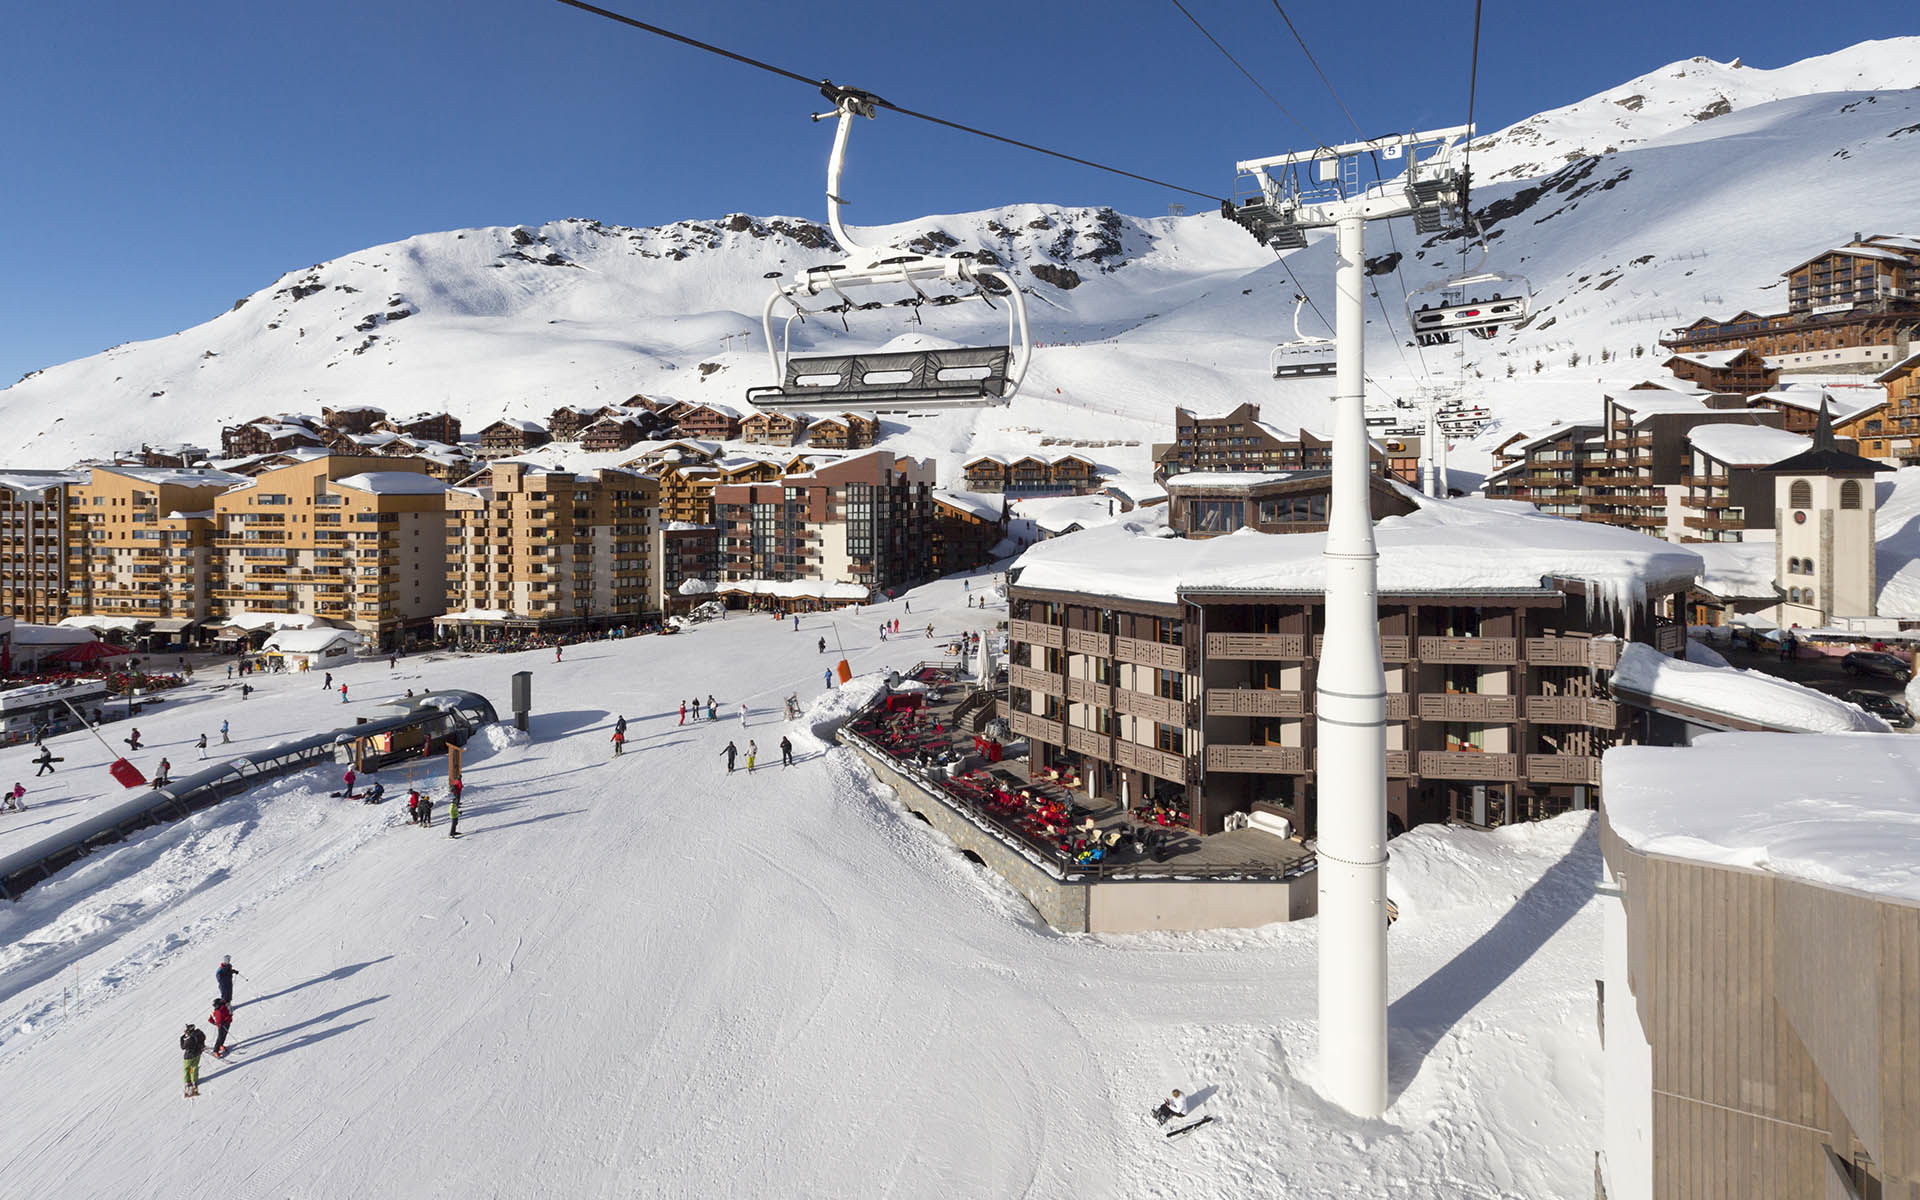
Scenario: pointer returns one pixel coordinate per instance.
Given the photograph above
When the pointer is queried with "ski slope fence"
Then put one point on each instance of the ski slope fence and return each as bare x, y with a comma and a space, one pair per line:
451, 715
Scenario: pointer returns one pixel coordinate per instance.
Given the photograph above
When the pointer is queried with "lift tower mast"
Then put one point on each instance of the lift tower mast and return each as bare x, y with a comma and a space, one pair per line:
1342, 188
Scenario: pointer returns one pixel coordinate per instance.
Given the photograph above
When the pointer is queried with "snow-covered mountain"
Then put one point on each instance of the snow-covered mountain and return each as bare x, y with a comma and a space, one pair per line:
1678, 95
1134, 315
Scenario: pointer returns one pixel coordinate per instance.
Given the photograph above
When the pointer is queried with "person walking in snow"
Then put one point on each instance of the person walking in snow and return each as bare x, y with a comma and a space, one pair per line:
413, 806
453, 817
712, 708
753, 751
221, 1020
426, 811
829, 674
160, 779
683, 713
556, 653
45, 761
192, 1044
796, 622
349, 777
16, 798
224, 739
619, 741
1173, 1106
223, 976
909, 606
729, 753
246, 689
393, 660
202, 744
786, 751
343, 693
620, 724
133, 742
823, 645
326, 685
457, 787
929, 629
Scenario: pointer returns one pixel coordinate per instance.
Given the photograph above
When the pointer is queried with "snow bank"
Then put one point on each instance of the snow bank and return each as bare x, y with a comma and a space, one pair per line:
1750, 696
1832, 809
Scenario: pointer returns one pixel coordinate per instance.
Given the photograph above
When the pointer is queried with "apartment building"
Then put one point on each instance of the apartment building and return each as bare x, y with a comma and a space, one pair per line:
34, 543
1739, 371
710, 420
774, 428
1184, 670
512, 435
1210, 503
1550, 470
553, 549
1727, 489
866, 519
680, 552
357, 539
966, 528
1238, 440
843, 431
141, 544
440, 427
1037, 474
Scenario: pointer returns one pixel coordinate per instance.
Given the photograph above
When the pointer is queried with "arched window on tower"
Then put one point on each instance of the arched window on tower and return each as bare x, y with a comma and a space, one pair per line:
1850, 494
1793, 595
1806, 566
1800, 495
1793, 566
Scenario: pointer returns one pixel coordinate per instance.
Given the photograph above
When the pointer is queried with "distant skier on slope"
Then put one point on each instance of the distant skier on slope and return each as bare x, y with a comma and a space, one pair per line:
453, 817
683, 713
753, 751
223, 975
45, 761
729, 754
786, 751
619, 742
413, 806
192, 1043
221, 1020
202, 744
620, 726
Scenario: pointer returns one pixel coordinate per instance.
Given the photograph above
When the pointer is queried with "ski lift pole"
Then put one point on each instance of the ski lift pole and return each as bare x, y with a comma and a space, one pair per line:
844, 671
122, 770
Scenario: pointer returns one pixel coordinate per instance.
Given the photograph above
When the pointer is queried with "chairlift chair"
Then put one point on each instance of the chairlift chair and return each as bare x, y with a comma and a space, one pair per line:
1305, 355
861, 381
1478, 302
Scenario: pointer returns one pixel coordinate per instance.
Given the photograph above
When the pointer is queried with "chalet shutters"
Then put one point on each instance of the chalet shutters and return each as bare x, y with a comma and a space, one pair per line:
1850, 494
1800, 495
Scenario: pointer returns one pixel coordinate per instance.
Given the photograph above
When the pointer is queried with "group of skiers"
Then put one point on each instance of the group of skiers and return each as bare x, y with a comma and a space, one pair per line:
712, 709
732, 752
193, 1041
420, 807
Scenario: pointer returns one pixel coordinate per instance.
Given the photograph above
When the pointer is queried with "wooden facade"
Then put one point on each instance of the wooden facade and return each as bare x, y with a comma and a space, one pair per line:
1240, 441
440, 427
1295, 503
964, 535
507, 436
1742, 371
774, 428
609, 434
707, 421
843, 431
353, 418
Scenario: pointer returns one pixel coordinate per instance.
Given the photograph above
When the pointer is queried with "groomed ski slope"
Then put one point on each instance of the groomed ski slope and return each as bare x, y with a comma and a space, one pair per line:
649, 978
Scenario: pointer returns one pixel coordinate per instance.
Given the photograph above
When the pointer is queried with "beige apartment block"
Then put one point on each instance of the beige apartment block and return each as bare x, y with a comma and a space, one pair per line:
33, 544
357, 539
140, 544
866, 519
542, 548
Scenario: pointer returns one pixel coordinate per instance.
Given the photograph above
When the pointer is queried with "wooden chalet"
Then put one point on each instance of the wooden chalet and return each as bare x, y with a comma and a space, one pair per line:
775, 428
843, 431
610, 433
966, 528
356, 418
1740, 370
512, 435
268, 435
708, 421
433, 427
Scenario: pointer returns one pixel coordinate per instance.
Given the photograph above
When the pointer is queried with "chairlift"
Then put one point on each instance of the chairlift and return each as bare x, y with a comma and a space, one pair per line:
1305, 355
1480, 303
866, 381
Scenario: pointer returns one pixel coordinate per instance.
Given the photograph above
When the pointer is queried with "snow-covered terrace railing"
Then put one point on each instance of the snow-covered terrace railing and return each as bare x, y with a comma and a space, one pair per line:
453, 714
1041, 854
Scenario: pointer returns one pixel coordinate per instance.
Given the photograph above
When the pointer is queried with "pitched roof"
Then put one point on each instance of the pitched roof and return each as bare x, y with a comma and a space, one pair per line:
1826, 458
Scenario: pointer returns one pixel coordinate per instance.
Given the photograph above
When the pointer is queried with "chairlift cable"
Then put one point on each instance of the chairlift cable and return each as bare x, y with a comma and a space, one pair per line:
828, 86
1249, 74
1466, 166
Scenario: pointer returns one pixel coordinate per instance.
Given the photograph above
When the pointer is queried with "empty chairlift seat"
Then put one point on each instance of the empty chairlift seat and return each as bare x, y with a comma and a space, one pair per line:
883, 382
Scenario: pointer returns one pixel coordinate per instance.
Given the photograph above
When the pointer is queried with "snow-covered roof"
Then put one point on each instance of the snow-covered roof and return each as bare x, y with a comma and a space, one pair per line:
1736, 570
1752, 697
312, 641
179, 476
1646, 405
1747, 445
475, 615
1910, 362
818, 589
254, 619
19, 482
1461, 546
520, 423
64, 634
1056, 514
1713, 360
394, 483
1235, 480
980, 504
1836, 809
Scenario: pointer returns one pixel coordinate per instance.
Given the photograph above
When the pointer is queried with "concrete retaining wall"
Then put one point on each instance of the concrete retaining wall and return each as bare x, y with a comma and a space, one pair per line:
1110, 905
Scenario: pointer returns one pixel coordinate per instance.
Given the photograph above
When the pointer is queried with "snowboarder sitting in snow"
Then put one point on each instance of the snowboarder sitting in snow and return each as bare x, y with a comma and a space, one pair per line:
1173, 1106
375, 794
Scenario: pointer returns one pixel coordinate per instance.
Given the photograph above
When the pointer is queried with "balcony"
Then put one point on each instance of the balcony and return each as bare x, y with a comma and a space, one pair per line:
1563, 768
1603, 653
1249, 646
1087, 641
1716, 523
1469, 650
1033, 633
1150, 654
1264, 760
1572, 710
1086, 691
1254, 702
1151, 708
1158, 763
1045, 683
1089, 742
1036, 728
1469, 764
1467, 706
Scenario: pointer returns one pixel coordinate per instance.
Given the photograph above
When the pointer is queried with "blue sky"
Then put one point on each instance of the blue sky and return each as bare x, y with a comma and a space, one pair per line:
164, 160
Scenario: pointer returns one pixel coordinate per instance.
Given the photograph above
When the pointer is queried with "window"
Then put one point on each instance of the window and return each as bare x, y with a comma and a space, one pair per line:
1170, 738
1806, 566
1170, 684
1850, 494
1793, 566
1800, 495
1167, 631
1793, 595
1215, 516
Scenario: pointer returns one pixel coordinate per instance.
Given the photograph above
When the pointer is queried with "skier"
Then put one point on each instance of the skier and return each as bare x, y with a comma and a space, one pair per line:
929, 629
683, 713
160, 780
192, 1042
426, 811
246, 689
46, 761
134, 741
16, 798
221, 1020
326, 685
349, 777
343, 693
786, 751
753, 752
393, 660
619, 741
729, 754
796, 622
413, 806
743, 712
223, 975
909, 604
229, 670
556, 654
620, 725
202, 744
823, 645
224, 739
1173, 1106
713, 709
453, 816
829, 674
458, 787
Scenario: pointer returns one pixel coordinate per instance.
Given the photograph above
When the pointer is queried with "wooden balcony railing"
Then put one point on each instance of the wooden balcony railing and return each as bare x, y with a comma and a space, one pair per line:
1466, 706
1255, 702
1276, 760
1044, 682
1280, 646
1033, 633
1469, 650
1469, 764
1563, 768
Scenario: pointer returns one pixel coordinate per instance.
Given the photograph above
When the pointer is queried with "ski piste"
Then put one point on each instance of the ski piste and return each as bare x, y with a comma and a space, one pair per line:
1188, 1128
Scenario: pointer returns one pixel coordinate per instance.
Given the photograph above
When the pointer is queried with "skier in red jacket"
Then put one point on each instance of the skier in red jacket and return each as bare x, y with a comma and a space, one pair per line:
221, 1019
